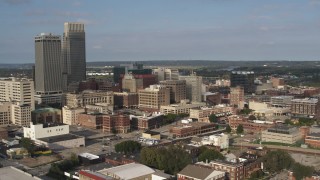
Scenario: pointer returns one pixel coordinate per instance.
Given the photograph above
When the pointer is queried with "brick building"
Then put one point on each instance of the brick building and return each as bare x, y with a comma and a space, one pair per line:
196, 172
304, 107
92, 121
248, 126
126, 99
116, 123
146, 122
313, 140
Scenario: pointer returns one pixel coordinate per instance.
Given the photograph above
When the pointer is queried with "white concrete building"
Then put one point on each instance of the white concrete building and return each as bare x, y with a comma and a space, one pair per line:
221, 140
166, 74
38, 131
88, 98
103, 108
21, 114
70, 115
281, 134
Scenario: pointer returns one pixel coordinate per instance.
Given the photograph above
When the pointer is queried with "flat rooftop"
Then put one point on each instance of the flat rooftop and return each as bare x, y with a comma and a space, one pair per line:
89, 156
128, 171
59, 138
12, 173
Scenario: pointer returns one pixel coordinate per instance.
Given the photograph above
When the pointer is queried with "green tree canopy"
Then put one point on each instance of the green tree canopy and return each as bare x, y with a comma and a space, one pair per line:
128, 147
171, 159
210, 154
240, 129
300, 171
275, 161
213, 118
28, 144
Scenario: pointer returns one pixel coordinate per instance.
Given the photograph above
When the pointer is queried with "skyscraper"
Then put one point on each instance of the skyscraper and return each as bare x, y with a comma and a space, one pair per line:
74, 53
193, 87
48, 74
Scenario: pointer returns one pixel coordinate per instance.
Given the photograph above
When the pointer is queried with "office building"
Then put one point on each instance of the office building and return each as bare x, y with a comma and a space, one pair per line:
116, 123
146, 122
74, 53
88, 98
17, 90
182, 108
135, 69
48, 75
177, 89
70, 115
244, 79
5, 113
281, 101
237, 96
46, 115
131, 84
304, 107
193, 87
281, 134
166, 74
150, 99
125, 99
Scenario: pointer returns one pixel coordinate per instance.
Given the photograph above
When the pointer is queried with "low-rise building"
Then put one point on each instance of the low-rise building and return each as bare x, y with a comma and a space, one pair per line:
151, 135
202, 114
132, 171
219, 140
304, 107
191, 129
281, 101
313, 140
12, 173
88, 98
146, 122
60, 142
104, 108
91, 120
249, 125
37, 131
196, 172
183, 107
234, 171
281, 134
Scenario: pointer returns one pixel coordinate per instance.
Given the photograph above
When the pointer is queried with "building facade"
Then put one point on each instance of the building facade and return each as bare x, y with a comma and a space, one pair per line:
237, 96
125, 99
193, 87
48, 63
17, 90
281, 134
37, 131
88, 98
177, 89
152, 98
73, 53
70, 115
116, 123
244, 79
182, 108
304, 107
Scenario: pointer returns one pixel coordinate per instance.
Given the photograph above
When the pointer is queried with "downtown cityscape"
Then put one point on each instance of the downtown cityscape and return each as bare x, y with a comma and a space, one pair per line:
172, 89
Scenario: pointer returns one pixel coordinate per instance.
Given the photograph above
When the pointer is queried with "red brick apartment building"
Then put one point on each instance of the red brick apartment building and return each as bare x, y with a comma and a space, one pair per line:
92, 121
119, 123
313, 140
248, 126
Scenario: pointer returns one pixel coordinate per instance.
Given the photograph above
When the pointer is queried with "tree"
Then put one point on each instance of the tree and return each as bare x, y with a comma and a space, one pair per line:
28, 144
128, 147
240, 129
171, 159
300, 171
256, 175
74, 159
228, 129
209, 155
213, 118
275, 161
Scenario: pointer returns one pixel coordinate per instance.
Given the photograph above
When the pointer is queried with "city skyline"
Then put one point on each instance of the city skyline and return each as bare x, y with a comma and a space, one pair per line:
168, 30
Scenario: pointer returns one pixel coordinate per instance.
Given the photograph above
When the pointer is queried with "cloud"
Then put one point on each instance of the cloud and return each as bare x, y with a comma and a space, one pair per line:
17, 2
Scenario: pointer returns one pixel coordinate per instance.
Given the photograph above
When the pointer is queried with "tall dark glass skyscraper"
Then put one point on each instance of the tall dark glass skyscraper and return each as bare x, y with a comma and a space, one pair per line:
74, 53
48, 74
48, 63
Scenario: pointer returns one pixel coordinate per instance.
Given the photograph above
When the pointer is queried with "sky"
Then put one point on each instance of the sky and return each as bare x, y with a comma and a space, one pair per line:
137, 30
